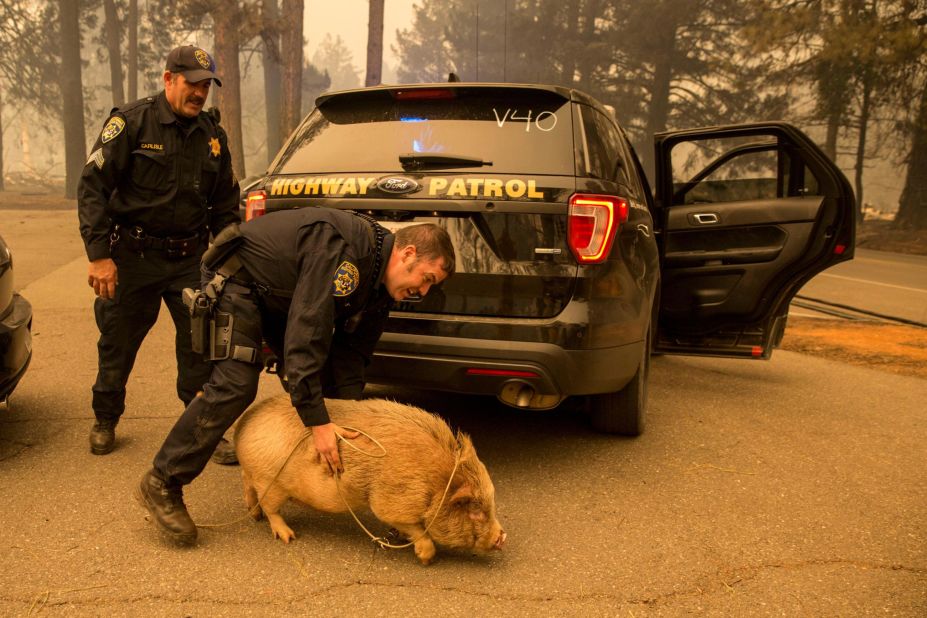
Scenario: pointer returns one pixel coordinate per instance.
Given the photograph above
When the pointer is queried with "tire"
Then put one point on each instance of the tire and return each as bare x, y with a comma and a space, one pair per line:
623, 412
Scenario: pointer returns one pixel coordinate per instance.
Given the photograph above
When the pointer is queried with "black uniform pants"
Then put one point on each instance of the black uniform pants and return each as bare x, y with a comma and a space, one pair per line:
144, 281
231, 388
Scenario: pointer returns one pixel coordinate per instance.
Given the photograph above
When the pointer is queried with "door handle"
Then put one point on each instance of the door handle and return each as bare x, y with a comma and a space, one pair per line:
704, 218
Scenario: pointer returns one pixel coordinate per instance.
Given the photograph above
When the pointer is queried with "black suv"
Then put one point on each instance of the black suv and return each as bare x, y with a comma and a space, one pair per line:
570, 272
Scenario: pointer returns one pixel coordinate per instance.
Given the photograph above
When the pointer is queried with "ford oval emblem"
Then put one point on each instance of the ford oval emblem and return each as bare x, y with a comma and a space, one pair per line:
397, 184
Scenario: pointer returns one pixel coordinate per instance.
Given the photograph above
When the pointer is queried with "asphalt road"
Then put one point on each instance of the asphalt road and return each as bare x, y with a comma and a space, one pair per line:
890, 284
790, 487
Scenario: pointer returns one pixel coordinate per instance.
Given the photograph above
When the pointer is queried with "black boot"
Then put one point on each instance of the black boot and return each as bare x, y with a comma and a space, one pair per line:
225, 453
165, 504
103, 436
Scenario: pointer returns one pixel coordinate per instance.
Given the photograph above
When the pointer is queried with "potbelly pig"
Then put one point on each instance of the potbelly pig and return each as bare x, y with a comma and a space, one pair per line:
403, 487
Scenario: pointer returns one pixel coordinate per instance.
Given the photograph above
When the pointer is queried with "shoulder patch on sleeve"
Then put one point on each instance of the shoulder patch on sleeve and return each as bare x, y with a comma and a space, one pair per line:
96, 157
114, 127
346, 279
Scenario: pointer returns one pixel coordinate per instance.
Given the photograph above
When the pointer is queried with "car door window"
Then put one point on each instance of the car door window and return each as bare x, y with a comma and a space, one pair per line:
738, 169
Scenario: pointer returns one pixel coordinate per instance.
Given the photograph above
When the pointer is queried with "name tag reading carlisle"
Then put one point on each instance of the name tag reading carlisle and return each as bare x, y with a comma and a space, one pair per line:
346, 278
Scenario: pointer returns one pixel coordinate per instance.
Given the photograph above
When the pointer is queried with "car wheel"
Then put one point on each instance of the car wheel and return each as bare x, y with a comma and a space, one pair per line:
623, 412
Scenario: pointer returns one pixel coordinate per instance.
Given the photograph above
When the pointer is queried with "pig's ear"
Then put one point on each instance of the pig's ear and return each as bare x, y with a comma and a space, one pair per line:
462, 496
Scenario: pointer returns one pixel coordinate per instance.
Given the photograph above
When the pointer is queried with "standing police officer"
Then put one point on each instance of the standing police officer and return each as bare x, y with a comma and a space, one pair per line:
316, 284
158, 182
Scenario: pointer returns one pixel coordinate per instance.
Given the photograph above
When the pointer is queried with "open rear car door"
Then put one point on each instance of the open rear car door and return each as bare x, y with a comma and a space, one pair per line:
748, 214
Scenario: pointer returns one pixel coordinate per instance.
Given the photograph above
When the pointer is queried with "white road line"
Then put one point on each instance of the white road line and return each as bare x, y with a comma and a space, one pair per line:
888, 285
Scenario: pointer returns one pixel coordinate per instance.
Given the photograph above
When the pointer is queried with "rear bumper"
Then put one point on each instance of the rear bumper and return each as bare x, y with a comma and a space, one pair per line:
461, 365
15, 344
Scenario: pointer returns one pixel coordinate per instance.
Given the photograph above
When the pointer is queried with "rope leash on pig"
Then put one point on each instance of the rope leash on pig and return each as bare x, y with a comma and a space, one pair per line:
382, 541
379, 540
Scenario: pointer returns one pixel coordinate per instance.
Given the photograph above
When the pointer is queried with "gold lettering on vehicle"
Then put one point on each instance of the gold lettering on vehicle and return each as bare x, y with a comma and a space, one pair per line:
365, 184
321, 185
312, 186
349, 187
457, 188
296, 186
436, 184
492, 188
513, 188
330, 186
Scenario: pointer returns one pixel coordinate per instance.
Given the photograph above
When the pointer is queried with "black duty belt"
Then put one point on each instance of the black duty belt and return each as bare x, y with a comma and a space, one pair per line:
136, 239
233, 271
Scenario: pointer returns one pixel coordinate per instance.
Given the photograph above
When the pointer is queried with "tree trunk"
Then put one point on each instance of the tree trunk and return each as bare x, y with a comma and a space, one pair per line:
587, 58
115, 53
133, 50
568, 46
912, 207
2, 188
864, 112
72, 115
272, 83
830, 142
588, 61
660, 88
226, 22
292, 53
375, 44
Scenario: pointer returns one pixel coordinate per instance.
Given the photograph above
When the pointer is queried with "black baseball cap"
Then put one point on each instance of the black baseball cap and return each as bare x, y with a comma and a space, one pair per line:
193, 62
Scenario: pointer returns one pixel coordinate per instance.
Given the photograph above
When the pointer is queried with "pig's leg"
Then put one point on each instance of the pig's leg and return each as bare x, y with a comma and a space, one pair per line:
424, 547
251, 497
271, 502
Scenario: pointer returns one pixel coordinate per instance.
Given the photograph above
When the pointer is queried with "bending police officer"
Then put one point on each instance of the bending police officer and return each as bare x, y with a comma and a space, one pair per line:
158, 182
316, 284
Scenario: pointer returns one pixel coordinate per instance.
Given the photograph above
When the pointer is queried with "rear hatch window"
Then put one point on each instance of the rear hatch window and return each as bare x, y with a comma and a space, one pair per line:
493, 166
515, 132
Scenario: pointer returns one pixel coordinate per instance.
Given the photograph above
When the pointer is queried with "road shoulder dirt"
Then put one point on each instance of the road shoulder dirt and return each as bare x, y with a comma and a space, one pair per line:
878, 345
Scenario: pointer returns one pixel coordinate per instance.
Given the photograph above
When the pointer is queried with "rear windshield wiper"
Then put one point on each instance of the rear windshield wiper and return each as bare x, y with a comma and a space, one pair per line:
422, 160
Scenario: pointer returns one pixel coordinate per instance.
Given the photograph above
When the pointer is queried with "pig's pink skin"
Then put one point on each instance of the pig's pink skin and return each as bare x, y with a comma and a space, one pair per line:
403, 489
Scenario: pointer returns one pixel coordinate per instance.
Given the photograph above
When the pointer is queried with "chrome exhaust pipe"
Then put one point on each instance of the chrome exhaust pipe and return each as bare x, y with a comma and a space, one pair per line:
522, 395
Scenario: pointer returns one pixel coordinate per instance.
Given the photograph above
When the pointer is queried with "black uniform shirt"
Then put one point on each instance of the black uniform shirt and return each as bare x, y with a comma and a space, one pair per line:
148, 168
339, 306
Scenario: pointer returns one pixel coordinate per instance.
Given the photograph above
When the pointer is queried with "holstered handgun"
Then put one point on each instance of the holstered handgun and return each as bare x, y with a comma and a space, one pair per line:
220, 331
200, 307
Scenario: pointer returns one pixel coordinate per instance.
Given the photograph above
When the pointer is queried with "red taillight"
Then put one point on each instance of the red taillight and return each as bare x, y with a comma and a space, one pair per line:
504, 373
255, 205
839, 249
424, 93
592, 224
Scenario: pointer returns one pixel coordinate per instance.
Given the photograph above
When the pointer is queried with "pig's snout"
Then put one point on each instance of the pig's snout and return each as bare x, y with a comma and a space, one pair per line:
500, 540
